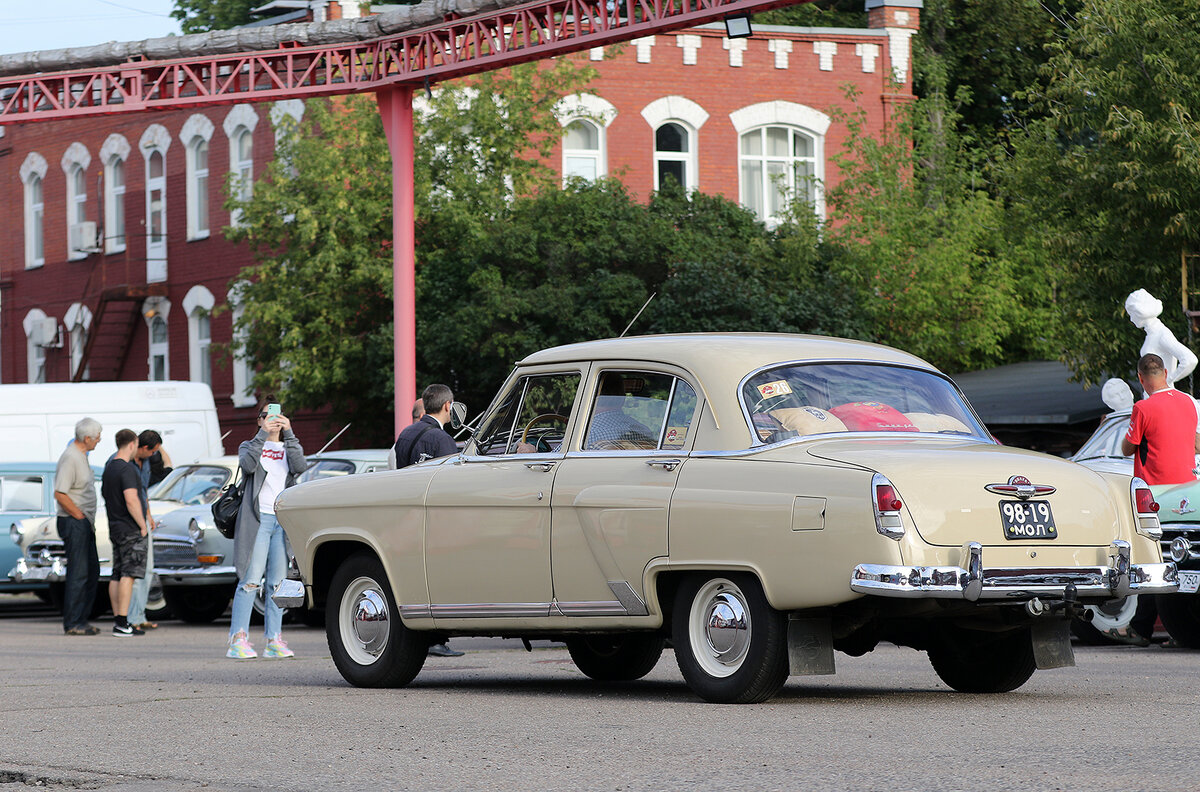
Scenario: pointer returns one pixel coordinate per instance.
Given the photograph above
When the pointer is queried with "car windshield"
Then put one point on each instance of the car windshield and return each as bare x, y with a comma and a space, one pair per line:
1106, 442
21, 493
803, 399
326, 468
191, 484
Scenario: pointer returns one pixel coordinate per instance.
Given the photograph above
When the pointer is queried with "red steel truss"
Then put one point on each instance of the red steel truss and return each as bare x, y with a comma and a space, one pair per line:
455, 48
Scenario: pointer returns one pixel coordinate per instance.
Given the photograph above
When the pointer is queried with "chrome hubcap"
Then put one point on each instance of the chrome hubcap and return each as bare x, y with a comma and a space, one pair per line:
366, 621
720, 627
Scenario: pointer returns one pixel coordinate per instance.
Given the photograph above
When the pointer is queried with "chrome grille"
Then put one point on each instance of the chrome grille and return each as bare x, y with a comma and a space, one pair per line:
174, 555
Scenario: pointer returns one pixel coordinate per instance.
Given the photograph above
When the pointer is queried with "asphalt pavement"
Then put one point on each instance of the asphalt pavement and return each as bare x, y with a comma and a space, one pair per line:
168, 712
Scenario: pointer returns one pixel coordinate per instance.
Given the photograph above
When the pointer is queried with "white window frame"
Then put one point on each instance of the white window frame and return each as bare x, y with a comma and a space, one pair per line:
35, 354
198, 303
687, 156
242, 119
78, 322
243, 377
153, 309
33, 176
196, 130
156, 139
686, 113
114, 152
75, 163
590, 109
797, 118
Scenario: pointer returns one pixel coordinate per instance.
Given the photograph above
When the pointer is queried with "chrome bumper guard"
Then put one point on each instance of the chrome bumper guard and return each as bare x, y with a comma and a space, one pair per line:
290, 594
54, 572
1118, 579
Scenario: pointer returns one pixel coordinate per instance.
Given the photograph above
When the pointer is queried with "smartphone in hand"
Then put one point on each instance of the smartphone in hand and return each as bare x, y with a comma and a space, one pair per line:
273, 411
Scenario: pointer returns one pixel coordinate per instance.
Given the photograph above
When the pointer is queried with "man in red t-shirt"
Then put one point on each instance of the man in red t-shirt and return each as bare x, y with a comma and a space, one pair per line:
1162, 429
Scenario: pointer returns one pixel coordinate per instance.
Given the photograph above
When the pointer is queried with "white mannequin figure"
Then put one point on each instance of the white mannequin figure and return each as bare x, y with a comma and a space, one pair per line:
1143, 310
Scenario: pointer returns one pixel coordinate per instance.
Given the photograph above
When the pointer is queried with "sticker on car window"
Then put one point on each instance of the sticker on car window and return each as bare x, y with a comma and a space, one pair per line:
675, 435
777, 388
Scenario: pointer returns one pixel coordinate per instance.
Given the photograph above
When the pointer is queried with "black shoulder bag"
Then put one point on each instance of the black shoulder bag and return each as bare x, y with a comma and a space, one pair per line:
225, 508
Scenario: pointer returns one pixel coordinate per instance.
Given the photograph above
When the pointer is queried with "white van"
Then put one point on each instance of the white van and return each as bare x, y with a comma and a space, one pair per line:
37, 421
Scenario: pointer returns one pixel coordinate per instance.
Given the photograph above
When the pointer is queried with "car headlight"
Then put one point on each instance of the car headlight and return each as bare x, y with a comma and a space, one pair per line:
14, 533
195, 530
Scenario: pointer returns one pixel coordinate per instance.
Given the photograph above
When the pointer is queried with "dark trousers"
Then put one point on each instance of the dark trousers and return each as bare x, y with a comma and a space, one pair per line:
83, 570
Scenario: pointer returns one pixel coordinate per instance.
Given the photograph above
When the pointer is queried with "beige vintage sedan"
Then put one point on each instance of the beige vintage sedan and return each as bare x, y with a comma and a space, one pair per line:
759, 500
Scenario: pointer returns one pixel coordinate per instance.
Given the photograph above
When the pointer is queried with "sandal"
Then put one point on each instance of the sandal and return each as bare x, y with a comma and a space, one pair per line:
1171, 643
1125, 635
147, 626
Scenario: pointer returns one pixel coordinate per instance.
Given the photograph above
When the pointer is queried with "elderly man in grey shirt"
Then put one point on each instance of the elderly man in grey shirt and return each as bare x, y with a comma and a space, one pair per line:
75, 492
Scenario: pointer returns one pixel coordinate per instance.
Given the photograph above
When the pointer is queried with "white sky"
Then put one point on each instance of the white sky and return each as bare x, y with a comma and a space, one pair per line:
28, 25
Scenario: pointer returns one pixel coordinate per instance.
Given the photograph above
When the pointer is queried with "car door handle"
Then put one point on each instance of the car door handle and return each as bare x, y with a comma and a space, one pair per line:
545, 467
666, 464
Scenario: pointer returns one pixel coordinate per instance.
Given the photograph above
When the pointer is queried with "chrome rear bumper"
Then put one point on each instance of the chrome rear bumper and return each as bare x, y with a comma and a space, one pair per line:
1118, 579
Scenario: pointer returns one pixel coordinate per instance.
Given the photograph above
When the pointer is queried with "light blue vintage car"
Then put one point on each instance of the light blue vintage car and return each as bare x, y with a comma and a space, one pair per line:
26, 499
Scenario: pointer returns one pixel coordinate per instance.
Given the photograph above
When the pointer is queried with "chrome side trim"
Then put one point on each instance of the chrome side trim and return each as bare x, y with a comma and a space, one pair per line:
1016, 583
415, 612
290, 594
490, 610
628, 598
598, 608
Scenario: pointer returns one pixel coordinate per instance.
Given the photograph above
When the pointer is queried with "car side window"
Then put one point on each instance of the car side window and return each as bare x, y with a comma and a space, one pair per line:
327, 468
21, 493
680, 416
631, 411
533, 417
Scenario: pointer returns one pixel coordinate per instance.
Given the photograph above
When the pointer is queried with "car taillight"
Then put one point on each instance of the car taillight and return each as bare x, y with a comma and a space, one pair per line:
888, 520
1145, 510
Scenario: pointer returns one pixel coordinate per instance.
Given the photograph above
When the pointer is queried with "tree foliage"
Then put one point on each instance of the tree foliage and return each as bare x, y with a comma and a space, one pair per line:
200, 16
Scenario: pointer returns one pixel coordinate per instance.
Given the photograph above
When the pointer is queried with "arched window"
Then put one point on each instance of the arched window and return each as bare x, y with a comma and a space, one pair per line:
77, 320
156, 310
33, 173
38, 330
673, 158
778, 165
239, 127
154, 144
582, 154
197, 131
113, 154
198, 305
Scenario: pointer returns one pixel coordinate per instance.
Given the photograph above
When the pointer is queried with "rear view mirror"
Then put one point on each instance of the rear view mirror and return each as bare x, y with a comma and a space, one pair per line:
458, 415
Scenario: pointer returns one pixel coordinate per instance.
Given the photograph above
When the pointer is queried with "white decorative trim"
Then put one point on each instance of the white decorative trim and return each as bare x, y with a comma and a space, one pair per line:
596, 53
583, 105
196, 125
198, 297
155, 138
780, 112
825, 50
76, 154
643, 46
667, 108
242, 115
869, 53
285, 115
736, 48
34, 355
899, 49
114, 145
78, 314
690, 44
34, 164
782, 48
34, 315
77, 321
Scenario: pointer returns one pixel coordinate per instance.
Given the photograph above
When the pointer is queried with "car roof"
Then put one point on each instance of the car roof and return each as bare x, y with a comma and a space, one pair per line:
701, 351
38, 466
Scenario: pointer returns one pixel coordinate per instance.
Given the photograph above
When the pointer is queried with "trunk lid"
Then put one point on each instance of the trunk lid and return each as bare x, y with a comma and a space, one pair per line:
942, 483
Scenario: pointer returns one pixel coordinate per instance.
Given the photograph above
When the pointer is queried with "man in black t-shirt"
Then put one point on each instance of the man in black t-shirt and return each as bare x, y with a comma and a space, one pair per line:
127, 508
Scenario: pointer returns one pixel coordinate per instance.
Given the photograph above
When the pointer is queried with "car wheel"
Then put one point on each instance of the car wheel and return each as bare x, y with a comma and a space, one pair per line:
197, 604
731, 645
371, 647
1115, 615
972, 661
616, 658
1180, 614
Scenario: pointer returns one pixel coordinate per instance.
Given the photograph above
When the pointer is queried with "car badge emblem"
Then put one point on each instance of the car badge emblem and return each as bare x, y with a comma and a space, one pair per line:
1020, 487
1185, 507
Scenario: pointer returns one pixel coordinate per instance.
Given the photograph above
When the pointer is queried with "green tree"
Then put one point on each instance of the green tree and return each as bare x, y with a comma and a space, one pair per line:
1107, 183
200, 16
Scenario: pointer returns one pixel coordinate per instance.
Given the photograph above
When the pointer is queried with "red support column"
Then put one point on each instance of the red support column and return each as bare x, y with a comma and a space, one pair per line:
395, 105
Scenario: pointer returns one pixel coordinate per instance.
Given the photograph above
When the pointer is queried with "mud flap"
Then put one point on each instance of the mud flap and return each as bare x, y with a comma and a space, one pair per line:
1052, 643
810, 647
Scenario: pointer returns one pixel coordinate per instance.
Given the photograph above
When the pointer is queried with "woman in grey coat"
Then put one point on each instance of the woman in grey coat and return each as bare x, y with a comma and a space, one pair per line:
270, 461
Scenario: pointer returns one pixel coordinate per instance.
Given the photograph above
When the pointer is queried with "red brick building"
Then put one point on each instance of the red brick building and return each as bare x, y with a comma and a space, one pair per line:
112, 261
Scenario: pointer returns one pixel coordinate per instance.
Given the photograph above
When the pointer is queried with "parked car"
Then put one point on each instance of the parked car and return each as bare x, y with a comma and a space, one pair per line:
43, 558
1180, 613
195, 562
760, 500
26, 499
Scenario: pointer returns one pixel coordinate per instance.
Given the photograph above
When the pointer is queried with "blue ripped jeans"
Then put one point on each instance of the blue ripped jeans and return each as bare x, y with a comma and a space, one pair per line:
269, 558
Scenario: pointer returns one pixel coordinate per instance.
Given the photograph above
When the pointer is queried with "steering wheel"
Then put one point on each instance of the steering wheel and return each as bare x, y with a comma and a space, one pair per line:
543, 418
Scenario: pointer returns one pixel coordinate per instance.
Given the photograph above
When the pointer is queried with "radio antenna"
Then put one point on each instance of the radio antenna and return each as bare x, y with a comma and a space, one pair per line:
635, 316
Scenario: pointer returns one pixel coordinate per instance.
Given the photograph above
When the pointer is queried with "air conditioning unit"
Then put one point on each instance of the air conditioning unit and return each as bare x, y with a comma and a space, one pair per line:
45, 333
84, 237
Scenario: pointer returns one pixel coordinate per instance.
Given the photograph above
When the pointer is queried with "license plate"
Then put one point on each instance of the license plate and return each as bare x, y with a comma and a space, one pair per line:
1027, 520
1189, 582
